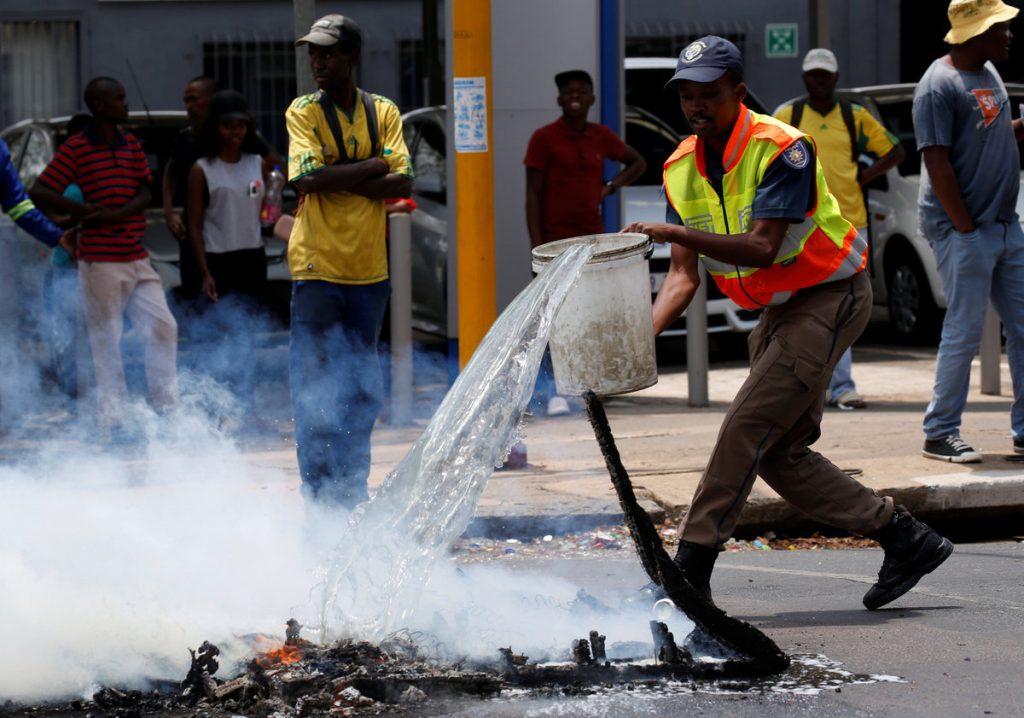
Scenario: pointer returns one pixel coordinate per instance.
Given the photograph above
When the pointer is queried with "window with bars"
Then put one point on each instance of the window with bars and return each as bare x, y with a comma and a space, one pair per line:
39, 61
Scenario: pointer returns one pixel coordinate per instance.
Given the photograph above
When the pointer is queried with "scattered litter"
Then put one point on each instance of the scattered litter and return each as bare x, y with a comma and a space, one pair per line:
604, 539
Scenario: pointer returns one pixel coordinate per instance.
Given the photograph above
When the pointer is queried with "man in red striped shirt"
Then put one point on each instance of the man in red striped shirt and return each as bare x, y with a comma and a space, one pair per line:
113, 266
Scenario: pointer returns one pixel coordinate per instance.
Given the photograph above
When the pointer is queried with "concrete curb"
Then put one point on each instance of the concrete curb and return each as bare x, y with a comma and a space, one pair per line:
945, 497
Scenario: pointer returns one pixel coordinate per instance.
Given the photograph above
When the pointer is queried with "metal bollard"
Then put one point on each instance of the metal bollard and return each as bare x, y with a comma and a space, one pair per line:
697, 343
400, 270
991, 352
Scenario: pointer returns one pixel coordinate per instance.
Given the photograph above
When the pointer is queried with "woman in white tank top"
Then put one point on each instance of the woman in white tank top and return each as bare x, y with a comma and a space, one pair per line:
225, 191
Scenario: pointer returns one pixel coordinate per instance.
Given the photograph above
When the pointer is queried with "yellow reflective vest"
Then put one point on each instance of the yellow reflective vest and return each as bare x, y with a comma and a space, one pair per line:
824, 247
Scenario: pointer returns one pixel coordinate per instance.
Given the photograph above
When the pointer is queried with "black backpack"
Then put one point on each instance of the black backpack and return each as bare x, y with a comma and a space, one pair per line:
845, 109
332, 121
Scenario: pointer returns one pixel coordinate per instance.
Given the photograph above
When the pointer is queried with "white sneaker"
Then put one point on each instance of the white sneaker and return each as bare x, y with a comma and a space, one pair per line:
558, 406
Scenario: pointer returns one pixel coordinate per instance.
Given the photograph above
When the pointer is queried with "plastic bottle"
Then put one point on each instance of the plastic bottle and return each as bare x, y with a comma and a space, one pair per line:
270, 212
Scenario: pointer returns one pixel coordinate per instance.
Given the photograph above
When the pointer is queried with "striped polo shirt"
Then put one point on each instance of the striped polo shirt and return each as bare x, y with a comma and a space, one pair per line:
109, 176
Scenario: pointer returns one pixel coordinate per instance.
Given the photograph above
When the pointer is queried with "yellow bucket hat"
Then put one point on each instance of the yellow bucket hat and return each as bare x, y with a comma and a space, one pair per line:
970, 18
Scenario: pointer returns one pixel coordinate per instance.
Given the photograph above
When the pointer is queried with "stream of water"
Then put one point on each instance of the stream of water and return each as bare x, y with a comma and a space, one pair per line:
384, 561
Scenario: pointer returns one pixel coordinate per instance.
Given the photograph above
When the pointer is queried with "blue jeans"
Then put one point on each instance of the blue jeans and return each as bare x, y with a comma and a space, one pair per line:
64, 312
544, 389
336, 385
842, 376
988, 262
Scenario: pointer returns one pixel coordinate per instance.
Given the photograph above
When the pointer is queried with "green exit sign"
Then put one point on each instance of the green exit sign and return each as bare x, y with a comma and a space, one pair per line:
780, 39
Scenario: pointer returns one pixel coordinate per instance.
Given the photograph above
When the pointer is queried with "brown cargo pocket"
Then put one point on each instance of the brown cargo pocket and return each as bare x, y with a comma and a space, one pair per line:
811, 374
774, 357
780, 360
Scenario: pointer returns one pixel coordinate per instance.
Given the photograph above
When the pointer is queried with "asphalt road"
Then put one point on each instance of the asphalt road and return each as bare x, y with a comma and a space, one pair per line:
956, 642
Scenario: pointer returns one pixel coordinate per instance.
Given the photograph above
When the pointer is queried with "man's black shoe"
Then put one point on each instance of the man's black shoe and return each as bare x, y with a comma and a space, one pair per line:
912, 549
1018, 445
697, 562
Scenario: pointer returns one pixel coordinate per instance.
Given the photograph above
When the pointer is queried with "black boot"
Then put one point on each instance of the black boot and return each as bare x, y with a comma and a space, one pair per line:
912, 550
697, 562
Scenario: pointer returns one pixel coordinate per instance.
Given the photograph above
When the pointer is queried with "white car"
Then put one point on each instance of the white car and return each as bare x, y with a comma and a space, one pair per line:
904, 276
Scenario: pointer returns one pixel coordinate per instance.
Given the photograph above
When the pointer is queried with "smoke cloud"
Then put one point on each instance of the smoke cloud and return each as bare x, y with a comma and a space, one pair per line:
116, 561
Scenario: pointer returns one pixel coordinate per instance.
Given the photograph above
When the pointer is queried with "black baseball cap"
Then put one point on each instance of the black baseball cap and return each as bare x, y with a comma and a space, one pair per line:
331, 29
564, 78
707, 59
229, 105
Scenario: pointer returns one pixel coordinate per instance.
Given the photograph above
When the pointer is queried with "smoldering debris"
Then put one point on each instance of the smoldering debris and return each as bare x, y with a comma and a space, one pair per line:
400, 675
396, 676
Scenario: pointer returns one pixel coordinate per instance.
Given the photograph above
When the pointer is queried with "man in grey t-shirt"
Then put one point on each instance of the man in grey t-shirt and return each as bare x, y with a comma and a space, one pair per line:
969, 183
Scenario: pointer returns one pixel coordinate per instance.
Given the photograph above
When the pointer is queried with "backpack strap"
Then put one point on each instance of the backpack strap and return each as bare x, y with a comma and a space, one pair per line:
798, 112
331, 114
846, 110
372, 124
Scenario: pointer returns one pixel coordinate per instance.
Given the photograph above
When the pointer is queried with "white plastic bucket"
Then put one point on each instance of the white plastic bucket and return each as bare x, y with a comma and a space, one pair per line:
602, 339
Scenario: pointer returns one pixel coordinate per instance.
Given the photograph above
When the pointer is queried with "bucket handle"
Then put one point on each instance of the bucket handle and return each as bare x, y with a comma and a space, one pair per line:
650, 247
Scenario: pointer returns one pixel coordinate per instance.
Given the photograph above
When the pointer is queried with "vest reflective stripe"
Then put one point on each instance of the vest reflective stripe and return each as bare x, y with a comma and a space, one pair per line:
822, 248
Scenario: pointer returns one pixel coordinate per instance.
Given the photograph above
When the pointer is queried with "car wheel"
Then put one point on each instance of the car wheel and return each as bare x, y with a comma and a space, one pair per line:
912, 310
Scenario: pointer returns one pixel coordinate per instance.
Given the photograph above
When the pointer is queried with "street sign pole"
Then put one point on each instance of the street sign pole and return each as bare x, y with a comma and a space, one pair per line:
303, 11
820, 12
470, 119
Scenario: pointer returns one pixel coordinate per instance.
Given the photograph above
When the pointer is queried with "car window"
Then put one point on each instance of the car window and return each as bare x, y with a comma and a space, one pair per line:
654, 144
1016, 100
409, 135
157, 140
898, 119
15, 140
429, 162
38, 153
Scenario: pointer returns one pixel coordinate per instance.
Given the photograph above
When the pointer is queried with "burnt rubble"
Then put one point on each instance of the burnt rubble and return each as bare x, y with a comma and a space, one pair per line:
298, 678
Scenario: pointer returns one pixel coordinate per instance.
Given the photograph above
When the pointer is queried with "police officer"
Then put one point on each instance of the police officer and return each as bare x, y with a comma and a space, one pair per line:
747, 195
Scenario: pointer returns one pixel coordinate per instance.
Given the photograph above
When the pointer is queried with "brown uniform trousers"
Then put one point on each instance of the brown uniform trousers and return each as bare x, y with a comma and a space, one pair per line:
776, 416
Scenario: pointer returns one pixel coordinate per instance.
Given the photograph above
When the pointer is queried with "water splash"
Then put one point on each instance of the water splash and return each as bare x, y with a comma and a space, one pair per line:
393, 541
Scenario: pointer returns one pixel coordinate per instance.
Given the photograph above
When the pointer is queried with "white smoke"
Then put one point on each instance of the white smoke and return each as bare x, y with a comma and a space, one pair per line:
113, 565
113, 568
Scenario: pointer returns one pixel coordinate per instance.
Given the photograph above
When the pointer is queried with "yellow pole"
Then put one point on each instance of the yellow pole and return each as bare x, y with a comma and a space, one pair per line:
474, 172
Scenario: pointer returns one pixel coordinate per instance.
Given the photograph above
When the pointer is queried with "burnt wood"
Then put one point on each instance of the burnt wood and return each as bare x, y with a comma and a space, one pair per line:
759, 655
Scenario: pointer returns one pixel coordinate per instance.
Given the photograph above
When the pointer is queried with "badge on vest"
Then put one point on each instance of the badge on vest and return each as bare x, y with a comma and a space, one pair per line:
796, 156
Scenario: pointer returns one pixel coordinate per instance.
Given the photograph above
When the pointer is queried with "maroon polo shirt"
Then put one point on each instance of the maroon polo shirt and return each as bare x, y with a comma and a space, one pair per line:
573, 167
109, 176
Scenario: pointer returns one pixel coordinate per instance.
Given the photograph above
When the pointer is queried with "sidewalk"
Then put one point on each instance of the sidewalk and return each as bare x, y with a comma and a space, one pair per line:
664, 444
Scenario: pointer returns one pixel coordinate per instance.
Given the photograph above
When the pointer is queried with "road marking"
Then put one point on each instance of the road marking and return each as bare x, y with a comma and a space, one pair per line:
870, 580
